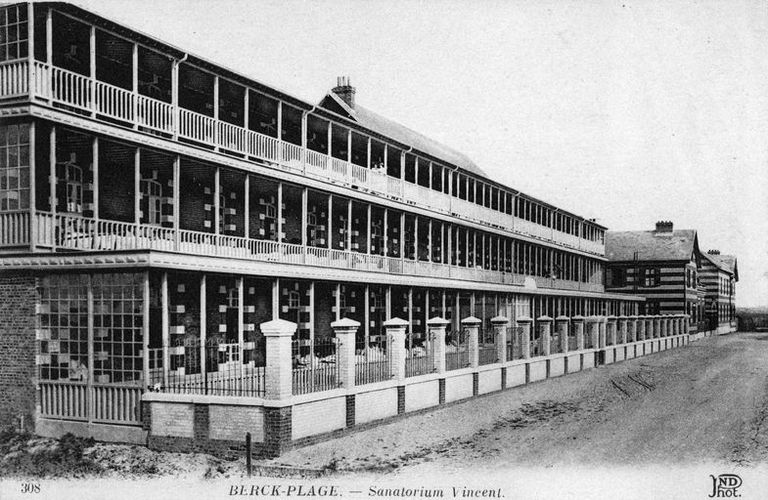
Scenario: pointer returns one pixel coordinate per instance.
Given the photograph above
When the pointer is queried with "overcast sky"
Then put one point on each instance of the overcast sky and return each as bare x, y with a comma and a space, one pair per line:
626, 111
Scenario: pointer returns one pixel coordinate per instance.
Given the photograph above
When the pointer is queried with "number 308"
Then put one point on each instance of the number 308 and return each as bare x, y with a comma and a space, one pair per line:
30, 488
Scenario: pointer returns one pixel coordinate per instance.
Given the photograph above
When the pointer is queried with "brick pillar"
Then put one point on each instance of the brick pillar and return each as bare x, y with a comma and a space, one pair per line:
622, 322
472, 325
593, 330
395, 331
279, 371
19, 332
632, 329
525, 345
499, 324
578, 331
345, 330
603, 324
641, 322
436, 328
545, 324
561, 326
610, 330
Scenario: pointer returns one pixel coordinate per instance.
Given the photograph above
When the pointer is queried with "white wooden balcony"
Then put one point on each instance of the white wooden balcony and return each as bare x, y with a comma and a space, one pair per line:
56, 86
67, 232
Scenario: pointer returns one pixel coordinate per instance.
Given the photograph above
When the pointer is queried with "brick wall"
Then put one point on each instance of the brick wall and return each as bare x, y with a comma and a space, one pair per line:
18, 296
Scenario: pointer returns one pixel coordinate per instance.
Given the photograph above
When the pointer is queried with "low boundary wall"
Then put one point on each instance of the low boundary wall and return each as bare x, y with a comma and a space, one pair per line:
215, 424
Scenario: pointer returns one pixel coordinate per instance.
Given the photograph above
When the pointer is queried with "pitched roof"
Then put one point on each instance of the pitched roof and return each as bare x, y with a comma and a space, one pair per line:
679, 244
725, 262
400, 133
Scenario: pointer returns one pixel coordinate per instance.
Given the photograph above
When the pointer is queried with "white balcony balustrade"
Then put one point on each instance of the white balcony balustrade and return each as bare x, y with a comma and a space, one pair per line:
68, 232
74, 91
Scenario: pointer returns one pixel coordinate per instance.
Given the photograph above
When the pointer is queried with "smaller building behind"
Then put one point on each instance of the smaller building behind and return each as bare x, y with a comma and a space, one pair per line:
663, 265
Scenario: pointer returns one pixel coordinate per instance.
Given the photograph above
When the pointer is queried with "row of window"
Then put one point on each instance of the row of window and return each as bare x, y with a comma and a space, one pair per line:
648, 277
244, 107
331, 221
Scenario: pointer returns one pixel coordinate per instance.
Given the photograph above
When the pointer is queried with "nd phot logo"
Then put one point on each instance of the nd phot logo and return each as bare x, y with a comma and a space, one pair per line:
725, 486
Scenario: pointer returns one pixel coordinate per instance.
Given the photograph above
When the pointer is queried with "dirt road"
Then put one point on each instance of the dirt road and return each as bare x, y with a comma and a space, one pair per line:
701, 404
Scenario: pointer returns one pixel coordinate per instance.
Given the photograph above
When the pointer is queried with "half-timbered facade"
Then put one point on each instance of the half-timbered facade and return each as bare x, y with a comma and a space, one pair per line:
157, 210
662, 265
719, 274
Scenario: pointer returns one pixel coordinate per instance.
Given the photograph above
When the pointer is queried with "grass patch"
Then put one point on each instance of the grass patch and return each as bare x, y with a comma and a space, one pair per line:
25, 455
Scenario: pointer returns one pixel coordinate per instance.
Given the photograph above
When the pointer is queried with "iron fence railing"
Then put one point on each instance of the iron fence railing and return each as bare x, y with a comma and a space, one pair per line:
314, 366
371, 362
457, 350
217, 369
419, 361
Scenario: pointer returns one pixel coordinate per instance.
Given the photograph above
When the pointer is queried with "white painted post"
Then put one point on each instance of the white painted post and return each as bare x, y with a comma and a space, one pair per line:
472, 325
561, 325
593, 330
395, 331
525, 345
623, 329
345, 330
578, 331
436, 328
278, 374
603, 325
632, 328
611, 330
545, 323
499, 324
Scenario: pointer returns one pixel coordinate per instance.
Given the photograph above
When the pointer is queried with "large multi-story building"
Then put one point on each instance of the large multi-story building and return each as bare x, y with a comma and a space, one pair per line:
719, 274
157, 208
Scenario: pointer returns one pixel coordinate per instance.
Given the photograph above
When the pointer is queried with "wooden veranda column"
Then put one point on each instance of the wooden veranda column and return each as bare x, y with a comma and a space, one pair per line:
145, 329
165, 329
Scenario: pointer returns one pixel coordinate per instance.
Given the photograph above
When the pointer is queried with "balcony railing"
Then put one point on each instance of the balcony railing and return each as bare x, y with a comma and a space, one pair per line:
71, 232
71, 90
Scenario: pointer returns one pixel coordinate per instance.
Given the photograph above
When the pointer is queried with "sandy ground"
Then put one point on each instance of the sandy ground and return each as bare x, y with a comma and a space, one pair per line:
706, 403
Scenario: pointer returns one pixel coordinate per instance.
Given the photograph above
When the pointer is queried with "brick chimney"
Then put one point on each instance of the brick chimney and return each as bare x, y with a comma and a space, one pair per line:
664, 226
345, 90
713, 252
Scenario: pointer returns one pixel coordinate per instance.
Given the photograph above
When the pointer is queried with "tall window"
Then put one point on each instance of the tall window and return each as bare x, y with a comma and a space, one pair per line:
650, 276
70, 182
13, 32
152, 191
14, 167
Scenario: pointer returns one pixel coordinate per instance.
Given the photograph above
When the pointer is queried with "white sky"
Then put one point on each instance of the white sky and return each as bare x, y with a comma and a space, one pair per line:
626, 111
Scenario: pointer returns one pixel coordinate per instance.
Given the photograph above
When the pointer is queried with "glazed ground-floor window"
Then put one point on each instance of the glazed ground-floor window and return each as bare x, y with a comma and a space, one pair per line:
115, 355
